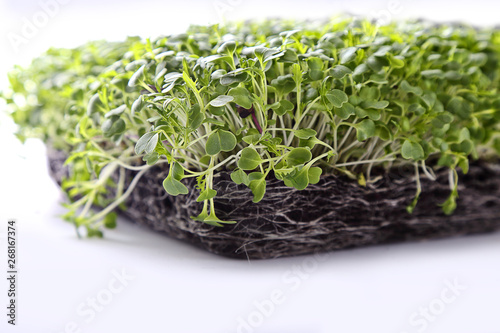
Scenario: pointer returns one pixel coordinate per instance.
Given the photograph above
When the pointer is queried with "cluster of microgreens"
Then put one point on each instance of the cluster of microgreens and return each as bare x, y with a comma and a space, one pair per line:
291, 100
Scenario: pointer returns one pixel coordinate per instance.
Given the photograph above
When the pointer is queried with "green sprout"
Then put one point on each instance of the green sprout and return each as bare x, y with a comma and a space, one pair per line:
289, 100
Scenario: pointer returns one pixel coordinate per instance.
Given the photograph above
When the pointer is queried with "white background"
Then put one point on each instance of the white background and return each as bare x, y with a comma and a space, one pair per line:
178, 288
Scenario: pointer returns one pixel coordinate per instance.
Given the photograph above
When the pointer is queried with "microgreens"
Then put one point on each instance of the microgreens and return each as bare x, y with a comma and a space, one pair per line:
271, 99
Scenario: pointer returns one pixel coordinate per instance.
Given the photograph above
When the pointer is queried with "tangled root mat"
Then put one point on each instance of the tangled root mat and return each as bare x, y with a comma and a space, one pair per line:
336, 213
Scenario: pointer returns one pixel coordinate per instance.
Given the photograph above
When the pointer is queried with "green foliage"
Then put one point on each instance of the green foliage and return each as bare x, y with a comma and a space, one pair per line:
412, 150
249, 159
270, 99
220, 140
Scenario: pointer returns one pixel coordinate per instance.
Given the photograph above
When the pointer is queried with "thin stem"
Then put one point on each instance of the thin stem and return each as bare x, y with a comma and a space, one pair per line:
119, 200
363, 162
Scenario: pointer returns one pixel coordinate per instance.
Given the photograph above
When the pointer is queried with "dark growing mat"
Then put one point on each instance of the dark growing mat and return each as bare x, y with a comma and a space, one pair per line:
334, 214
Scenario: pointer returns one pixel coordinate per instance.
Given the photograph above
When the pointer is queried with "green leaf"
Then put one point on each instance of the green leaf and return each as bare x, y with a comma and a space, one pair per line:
340, 71
298, 156
429, 99
195, 117
412, 150
218, 74
290, 56
289, 33
459, 107
220, 140
189, 82
297, 74
299, 179
305, 133
116, 112
164, 54
221, 100
375, 63
94, 104
314, 175
93, 232
373, 114
151, 158
215, 221
204, 215
478, 59
446, 160
378, 105
378, 79
174, 187
359, 71
283, 84
137, 105
258, 185
407, 88
453, 76
450, 204
227, 47
463, 163
219, 111
383, 132
138, 75
177, 171
464, 134
146, 143
465, 147
369, 94
284, 107
249, 159
347, 55
396, 61
442, 119
110, 220
240, 177
417, 109
382, 51
432, 74
337, 97
241, 96
345, 111
113, 126
315, 65
365, 129
252, 139
135, 64
214, 121
232, 78
311, 95
228, 140
355, 100
206, 195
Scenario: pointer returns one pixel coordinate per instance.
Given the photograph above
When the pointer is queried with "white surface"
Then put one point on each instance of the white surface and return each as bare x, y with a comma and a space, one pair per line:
178, 288
73, 22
